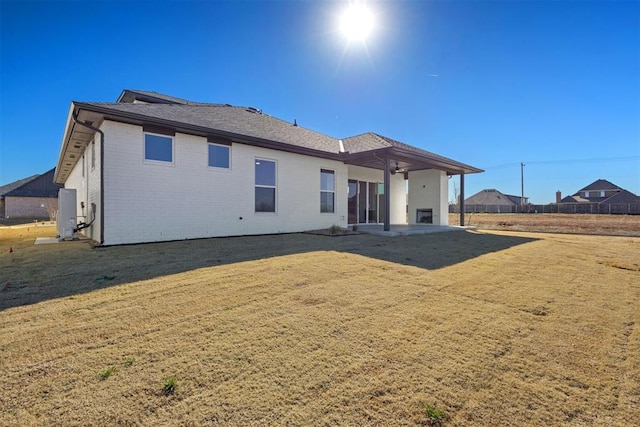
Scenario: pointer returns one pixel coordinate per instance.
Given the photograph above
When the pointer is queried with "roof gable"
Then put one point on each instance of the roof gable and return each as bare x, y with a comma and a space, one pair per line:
490, 196
131, 96
41, 186
600, 185
15, 184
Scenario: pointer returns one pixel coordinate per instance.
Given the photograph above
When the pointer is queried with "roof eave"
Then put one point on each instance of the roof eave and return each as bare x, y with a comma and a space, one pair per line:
65, 142
140, 119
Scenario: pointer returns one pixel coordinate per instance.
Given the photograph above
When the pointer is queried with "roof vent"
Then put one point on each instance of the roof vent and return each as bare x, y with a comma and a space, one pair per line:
295, 123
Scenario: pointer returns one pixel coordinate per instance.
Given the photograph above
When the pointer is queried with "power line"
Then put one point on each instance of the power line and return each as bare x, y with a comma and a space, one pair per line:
567, 161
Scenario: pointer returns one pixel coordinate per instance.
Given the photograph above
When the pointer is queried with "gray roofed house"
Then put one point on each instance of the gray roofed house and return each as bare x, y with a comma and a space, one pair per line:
600, 192
135, 160
35, 198
493, 201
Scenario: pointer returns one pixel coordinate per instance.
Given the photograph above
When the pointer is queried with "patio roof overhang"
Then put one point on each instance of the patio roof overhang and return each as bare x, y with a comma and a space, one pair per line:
407, 161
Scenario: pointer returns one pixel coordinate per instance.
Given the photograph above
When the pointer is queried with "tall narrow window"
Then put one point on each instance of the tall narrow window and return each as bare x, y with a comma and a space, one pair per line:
93, 155
219, 156
83, 166
327, 191
265, 171
158, 148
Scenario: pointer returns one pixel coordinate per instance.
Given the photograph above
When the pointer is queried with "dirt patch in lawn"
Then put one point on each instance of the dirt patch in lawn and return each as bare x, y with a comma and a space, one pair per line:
610, 225
493, 328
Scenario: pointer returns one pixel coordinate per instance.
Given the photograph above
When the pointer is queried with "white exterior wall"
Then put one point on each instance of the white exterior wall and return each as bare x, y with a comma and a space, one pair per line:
398, 202
88, 189
146, 202
429, 189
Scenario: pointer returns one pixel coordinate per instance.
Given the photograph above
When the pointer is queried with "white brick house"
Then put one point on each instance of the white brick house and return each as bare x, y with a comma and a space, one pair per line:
150, 167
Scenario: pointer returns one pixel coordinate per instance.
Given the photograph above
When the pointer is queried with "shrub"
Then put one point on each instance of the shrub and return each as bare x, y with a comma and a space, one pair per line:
435, 416
169, 386
335, 229
106, 373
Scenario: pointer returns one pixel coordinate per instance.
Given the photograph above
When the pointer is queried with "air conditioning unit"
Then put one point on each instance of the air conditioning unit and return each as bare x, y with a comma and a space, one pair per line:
67, 214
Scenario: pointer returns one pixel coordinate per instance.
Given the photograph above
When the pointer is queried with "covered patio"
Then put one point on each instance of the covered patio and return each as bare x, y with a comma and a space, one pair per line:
426, 172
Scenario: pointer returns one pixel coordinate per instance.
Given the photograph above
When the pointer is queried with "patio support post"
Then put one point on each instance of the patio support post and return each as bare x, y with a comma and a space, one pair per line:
387, 195
462, 199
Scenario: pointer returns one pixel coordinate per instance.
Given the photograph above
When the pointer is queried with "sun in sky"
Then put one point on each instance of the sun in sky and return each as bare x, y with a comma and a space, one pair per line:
357, 22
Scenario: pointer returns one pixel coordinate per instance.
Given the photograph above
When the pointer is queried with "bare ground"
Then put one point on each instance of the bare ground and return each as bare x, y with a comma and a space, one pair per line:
496, 328
610, 225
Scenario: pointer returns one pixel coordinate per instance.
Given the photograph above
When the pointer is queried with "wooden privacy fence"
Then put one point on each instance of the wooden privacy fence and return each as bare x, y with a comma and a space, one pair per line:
569, 208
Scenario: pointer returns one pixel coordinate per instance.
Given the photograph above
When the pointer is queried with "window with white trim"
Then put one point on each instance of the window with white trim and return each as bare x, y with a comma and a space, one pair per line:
265, 185
158, 148
327, 191
219, 156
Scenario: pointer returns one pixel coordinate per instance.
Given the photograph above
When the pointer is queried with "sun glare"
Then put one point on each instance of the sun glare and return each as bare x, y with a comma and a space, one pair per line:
357, 22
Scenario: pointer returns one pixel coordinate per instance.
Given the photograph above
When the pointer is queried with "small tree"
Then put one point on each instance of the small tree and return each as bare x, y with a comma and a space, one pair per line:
456, 198
51, 206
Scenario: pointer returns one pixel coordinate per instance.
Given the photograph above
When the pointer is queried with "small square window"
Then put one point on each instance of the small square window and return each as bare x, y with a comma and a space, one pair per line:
158, 148
219, 156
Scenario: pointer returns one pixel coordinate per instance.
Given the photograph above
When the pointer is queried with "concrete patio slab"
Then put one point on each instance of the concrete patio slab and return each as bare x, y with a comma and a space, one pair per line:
406, 230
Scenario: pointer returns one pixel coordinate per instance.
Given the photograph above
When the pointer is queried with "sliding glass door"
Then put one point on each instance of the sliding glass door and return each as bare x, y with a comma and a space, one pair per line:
366, 202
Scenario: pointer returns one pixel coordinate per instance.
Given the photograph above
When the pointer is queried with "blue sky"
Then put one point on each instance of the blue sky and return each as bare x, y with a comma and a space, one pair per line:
553, 84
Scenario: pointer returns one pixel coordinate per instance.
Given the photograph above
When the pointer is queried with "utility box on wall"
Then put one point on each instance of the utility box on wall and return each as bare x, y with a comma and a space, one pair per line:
67, 220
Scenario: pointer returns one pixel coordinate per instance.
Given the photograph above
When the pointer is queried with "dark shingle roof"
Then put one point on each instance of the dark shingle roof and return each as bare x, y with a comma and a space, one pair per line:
364, 142
600, 185
41, 186
243, 125
129, 96
491, 196
13, 185
226, 118
623, 196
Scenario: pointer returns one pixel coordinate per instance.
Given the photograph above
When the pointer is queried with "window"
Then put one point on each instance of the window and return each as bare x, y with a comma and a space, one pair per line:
602, 194
219, 156
327, 191
158, 148
586, 194
83, 166
93, 155
265, 185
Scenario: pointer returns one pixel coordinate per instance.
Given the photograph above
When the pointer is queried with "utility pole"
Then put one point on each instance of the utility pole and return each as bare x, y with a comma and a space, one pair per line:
521, 187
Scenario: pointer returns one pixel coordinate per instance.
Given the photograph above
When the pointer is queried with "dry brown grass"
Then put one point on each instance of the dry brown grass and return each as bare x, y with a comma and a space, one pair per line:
610, 225
496, 328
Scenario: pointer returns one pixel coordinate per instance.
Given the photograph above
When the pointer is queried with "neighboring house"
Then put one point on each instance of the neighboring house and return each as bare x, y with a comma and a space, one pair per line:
11, 186
600, 192
35, 197
151, 167
601, 196
493, 201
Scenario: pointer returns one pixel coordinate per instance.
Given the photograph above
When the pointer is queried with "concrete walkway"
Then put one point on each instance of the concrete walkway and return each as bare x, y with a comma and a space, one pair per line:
406, 230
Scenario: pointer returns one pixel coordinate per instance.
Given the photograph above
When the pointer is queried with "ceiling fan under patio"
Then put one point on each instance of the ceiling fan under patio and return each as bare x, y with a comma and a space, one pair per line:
397, 169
